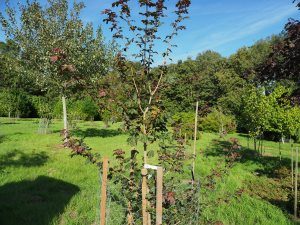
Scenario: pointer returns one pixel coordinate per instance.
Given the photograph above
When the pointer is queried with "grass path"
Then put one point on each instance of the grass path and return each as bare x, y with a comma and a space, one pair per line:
41, 184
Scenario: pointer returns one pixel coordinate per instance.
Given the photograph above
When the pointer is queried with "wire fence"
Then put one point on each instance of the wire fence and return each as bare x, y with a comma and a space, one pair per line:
117, 208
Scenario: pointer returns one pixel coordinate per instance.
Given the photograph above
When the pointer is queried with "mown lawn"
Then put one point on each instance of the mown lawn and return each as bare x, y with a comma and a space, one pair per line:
41, 184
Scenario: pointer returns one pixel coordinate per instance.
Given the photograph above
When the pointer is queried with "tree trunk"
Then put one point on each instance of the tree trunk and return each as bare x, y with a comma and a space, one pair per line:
63, 98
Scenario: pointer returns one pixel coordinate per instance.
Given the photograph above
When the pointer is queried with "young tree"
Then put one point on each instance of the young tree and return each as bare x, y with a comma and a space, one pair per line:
138, 93
144, 114
255, 113
270, 113
64, 53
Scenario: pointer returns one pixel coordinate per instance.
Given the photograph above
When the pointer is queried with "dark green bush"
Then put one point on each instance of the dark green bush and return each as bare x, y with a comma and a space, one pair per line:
16, 104
84, 109
43, 106
185, 121
216, 121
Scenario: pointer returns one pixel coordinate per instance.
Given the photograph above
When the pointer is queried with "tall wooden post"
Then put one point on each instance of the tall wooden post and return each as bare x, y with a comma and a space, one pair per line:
279, 149
103, 191
195, 139
159, 195
296, 184
292, 166
144, 197
248, 140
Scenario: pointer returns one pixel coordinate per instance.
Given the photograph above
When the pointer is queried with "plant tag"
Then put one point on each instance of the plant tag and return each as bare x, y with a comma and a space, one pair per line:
147, 166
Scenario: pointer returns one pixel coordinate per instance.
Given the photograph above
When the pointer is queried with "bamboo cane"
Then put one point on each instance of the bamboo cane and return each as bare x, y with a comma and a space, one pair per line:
296, 184
292, 166
144, 195
195, 139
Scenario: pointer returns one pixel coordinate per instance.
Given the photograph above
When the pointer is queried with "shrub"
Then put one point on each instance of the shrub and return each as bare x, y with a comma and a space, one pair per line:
217, 121
43, 106
84, 109
184, 121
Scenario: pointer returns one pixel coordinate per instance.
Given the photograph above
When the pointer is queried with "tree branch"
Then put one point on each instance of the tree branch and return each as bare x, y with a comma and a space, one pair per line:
137, 92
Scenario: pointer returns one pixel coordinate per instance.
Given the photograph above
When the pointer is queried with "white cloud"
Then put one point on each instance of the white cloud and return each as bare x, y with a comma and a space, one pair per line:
249, 25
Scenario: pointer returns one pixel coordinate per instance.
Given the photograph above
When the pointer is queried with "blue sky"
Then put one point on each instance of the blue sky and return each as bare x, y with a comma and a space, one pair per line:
223, 26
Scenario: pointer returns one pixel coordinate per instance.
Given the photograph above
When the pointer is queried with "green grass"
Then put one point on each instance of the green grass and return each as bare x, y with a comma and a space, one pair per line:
41, 184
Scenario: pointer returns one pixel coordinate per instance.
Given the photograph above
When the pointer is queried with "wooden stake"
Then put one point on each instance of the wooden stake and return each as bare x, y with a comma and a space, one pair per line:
296, 184
248, 141
103, 191
144, 195
292, 166
195, 139
159, 195
185, 138
279, 148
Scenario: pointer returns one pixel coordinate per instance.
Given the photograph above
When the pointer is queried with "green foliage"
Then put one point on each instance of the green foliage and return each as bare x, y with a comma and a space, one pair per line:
16, 104
231, 87
60, 53
106, 117
84, 109
185, 122
246, 59
271, 113
255, 112
193, 80
217, 121
56, 44
43, 106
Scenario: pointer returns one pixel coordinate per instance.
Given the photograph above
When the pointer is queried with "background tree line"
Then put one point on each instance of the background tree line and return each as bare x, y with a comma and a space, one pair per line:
255, 90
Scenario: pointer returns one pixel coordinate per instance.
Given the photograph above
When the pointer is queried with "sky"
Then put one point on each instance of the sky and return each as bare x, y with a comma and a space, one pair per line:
223, 26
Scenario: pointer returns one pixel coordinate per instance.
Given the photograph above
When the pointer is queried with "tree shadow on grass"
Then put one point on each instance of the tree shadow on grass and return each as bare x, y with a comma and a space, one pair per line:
34, 202
94, 132
2, 138
267, 164
273, 182
17, 158
9, 123
243, 135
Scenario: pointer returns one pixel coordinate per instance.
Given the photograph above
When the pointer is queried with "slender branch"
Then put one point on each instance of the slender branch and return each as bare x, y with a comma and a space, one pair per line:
152, 93
158, 83
137, 92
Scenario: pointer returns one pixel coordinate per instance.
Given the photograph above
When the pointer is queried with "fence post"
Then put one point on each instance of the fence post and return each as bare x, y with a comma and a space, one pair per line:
159, 193
144, 195
103, 191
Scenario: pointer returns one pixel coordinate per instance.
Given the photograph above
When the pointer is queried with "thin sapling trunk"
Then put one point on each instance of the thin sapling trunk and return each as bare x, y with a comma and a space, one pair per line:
63, 98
